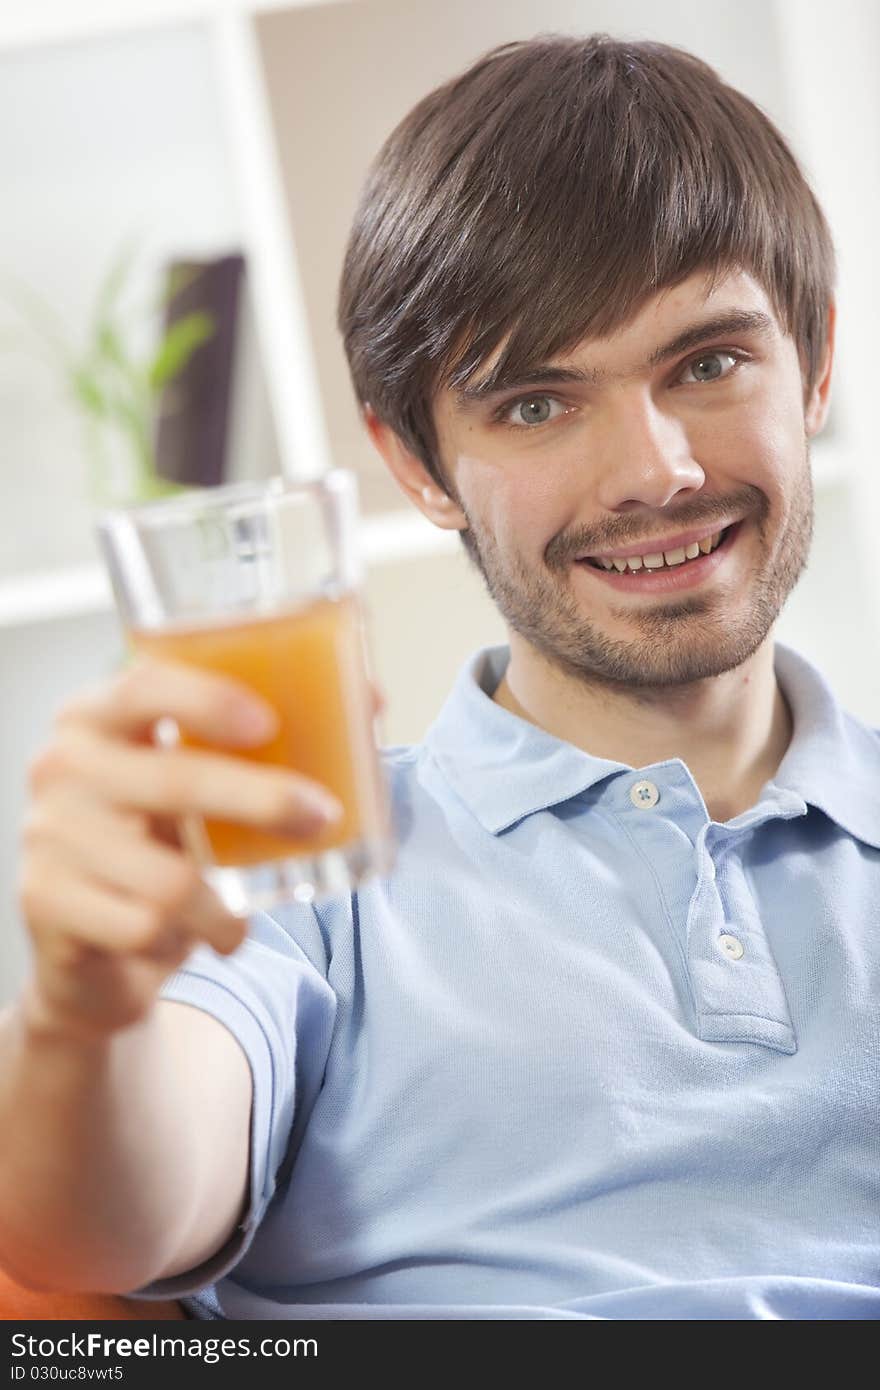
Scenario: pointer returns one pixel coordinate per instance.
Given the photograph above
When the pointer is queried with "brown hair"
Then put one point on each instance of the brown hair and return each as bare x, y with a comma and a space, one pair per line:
546, 194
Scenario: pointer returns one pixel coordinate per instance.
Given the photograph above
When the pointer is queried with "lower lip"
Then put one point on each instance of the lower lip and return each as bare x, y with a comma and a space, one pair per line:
667, 580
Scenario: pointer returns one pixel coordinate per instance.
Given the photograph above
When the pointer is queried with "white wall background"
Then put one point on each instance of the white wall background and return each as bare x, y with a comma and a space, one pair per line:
105, 131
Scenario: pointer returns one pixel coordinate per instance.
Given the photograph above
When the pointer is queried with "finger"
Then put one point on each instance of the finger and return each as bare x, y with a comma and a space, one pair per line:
59, 902
208, 920
113, 847
171, 949
215, 708
65, 910
181, 782
205, 920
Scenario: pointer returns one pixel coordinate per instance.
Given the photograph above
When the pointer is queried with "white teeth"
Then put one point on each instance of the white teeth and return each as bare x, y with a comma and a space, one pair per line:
674, 557
669, 557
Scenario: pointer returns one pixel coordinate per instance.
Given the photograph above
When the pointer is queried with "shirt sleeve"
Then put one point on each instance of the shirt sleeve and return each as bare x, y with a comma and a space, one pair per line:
273, 997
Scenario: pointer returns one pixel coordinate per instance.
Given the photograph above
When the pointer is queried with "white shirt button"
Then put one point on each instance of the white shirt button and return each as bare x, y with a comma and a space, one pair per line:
730, 946
644, 795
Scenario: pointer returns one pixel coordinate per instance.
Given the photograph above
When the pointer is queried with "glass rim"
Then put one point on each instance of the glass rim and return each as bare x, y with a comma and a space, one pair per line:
204, 500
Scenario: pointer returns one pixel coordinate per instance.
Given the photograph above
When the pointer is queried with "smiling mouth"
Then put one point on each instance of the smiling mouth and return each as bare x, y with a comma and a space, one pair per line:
667, 578
642, 568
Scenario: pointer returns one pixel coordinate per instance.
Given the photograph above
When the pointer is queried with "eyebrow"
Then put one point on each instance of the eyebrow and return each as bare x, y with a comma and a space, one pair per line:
753, 321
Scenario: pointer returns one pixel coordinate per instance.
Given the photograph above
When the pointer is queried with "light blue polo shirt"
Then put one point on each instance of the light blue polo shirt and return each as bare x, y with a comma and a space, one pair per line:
584, 1053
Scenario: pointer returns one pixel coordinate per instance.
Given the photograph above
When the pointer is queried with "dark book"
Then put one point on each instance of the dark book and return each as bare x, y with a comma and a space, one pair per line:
193, 418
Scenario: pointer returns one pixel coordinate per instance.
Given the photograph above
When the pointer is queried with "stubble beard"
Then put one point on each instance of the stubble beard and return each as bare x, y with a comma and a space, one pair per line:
675, 642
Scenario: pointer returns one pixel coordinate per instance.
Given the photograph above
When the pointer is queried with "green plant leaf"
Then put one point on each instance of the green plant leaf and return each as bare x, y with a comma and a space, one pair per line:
180, 342
111, 357
130, 396
116, 394
113, 282
109, 345
88, 392
137, 424
153, 486
179, 278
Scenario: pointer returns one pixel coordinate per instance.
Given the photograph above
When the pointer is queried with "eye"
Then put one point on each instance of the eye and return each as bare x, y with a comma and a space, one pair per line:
532, 410
708, 367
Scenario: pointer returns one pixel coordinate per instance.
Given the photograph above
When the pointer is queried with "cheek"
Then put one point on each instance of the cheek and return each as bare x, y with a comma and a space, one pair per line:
774, 457
773, 430
759, 444
496, 501
521, 518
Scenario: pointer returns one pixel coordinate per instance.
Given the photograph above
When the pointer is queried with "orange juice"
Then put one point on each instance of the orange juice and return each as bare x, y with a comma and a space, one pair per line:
308, 663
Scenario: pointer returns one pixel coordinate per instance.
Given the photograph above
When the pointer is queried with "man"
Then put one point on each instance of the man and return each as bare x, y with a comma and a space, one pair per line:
605, 1043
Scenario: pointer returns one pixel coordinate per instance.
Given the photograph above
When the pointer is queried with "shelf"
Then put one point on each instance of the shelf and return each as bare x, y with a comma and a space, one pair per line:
78, 590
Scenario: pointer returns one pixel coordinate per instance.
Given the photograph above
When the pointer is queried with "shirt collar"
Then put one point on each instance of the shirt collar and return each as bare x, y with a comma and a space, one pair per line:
505, 768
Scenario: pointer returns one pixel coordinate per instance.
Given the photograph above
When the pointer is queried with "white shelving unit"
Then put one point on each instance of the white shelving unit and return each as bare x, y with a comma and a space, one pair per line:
250, 125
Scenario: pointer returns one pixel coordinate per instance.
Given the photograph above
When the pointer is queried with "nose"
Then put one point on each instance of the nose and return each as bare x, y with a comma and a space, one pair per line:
644, 457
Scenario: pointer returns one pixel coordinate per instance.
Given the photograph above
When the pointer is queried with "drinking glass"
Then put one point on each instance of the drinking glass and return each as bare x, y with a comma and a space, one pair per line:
263, 582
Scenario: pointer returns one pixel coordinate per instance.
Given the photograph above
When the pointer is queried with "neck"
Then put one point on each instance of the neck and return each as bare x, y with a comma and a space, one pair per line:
732, 730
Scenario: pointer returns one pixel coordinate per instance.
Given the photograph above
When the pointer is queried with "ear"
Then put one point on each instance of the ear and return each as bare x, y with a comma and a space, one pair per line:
817, 406
412, 476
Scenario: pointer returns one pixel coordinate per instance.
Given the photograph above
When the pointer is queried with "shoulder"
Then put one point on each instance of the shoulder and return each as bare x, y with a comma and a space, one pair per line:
401, 764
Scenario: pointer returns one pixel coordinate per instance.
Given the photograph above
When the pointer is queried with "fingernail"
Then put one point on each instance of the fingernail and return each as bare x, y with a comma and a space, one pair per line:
258, 721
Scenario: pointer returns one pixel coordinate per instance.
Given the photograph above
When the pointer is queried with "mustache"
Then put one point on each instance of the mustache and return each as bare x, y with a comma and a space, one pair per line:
563, 549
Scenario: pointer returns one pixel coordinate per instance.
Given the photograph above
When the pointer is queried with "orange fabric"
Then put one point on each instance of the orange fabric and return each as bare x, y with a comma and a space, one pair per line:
27, 1305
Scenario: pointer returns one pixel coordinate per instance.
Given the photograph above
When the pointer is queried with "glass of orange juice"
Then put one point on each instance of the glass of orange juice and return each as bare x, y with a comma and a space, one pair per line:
263, 582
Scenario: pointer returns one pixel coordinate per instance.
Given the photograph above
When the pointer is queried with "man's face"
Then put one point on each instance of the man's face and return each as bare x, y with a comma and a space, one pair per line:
548, 470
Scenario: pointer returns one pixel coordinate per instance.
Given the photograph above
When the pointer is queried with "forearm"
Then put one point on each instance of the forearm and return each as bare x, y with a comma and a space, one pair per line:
100, 1161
